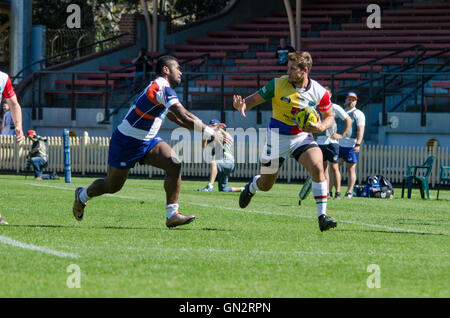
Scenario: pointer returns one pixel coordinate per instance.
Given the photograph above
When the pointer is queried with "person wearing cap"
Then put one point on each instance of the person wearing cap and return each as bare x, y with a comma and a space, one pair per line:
37, 157
222, 164
350, 144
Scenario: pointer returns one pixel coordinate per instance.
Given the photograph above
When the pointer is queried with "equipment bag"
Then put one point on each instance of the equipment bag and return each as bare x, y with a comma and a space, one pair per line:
376, 187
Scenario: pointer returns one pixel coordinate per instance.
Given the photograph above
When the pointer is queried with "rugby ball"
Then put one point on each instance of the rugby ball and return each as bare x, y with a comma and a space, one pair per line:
307, 114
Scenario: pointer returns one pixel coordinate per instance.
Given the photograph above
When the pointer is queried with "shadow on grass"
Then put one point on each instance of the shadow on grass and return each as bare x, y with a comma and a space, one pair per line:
394, 232
111, 227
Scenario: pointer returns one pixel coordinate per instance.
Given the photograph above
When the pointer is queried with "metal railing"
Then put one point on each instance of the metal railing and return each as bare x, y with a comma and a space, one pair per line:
49, 77
420, 51
425, 77
61, 40
42, 62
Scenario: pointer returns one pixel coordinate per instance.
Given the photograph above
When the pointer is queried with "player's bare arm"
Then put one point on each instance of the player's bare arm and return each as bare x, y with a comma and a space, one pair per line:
16, 114
321, 125
244, 104
188, 120
359, 138
172, 117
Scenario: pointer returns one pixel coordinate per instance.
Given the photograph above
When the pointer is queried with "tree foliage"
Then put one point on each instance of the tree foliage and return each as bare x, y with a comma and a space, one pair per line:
104, 16
196, 9
52, 13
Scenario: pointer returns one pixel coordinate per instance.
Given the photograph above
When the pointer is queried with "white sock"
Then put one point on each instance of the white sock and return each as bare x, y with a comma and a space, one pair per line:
83, 196
320, 192
171, 210
254, 186
210, 185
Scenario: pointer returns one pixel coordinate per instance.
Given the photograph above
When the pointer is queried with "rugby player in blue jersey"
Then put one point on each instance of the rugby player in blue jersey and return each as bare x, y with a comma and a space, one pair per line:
136, 140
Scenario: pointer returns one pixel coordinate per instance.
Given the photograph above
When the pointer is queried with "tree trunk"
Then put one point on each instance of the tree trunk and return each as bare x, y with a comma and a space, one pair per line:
155, 25
148, 25
291, 22
298, 8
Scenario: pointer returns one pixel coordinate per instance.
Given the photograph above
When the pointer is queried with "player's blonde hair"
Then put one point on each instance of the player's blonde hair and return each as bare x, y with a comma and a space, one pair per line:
302, 60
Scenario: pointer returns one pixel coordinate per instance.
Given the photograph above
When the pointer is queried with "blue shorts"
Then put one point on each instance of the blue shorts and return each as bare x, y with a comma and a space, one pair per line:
125, 152
348, 155
330, 152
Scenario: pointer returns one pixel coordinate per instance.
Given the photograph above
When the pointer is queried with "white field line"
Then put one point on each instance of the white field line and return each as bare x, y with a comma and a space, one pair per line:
262, 212
43, 249
256, 252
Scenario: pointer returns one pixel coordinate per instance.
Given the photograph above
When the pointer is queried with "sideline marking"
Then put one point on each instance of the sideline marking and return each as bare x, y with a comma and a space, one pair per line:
31, 247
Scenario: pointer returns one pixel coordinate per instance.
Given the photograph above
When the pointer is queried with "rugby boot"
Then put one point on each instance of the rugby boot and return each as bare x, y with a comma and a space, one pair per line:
179, 219
208, 188
246, 196
325, 223
78, 206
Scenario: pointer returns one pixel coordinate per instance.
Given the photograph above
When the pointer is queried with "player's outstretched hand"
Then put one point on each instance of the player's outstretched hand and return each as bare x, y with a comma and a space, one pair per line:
239, 104
218, 138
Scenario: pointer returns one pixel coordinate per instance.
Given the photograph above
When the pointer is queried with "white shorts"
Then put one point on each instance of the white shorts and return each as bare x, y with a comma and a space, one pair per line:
277, 147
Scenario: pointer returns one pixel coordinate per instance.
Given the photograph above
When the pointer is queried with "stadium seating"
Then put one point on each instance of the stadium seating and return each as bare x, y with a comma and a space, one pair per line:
427, 5
334, 42
440, 90
333, 31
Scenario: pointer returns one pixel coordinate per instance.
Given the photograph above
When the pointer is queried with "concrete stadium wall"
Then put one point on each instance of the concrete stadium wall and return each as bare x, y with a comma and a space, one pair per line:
409, 132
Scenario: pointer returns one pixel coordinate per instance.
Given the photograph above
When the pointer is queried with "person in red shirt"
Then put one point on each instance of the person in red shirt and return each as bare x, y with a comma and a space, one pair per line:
7, 92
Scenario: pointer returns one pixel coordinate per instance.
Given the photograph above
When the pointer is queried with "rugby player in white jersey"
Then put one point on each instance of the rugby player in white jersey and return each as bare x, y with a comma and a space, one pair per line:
7, 92
289, 94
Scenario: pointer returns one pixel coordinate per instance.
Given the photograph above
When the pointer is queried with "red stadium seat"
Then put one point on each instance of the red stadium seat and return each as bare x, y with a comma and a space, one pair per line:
242, 33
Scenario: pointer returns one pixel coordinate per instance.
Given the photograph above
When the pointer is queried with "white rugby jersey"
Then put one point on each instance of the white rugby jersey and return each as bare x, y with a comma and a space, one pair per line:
358, 119
145, 116
324, 138
6, 89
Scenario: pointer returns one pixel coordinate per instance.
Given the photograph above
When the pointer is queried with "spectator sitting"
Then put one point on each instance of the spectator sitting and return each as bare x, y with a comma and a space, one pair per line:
37, 157
282, 52
222, 165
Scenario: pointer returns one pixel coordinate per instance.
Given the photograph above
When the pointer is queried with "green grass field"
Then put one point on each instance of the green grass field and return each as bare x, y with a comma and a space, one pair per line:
271, 249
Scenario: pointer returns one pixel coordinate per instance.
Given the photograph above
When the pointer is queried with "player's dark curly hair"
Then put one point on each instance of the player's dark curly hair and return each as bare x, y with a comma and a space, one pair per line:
164, 61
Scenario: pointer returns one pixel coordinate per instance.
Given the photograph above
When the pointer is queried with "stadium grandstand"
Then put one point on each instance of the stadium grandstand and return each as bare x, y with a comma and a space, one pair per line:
400, 69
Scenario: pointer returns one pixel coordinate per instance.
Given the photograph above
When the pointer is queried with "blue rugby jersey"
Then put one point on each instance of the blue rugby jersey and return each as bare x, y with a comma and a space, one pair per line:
145, 116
